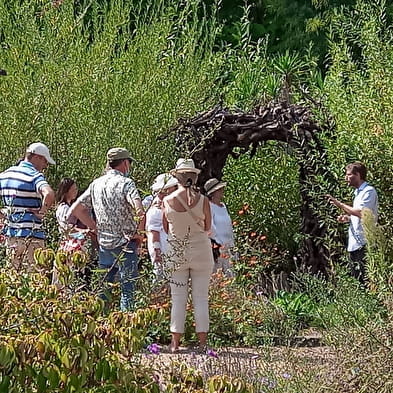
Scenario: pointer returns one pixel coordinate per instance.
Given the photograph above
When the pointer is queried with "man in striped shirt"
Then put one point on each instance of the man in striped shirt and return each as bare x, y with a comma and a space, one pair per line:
25, 198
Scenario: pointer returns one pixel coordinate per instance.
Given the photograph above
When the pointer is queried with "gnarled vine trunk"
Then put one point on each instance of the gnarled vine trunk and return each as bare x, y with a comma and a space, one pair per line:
211, 137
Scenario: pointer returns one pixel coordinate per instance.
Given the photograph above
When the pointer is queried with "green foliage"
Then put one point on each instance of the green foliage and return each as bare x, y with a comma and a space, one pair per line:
342, 302
64, 343
268, 185
245, 317
297, 306
358, 88
287, 25
379, 257
124, 82
83, 76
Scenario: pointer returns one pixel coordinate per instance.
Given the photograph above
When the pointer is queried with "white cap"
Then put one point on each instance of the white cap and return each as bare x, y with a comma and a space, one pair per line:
41, 150
163, 182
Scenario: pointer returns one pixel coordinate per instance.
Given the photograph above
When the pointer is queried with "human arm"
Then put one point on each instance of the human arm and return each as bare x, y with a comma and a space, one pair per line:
348, 209
141, 220
154, 225
207, 213
81, 209
48, 198
133, 198
140, 214
82, 212
68, 223
164, 217
155, 237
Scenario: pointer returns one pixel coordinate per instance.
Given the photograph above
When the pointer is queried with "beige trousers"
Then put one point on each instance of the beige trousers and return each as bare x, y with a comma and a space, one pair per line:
21, 252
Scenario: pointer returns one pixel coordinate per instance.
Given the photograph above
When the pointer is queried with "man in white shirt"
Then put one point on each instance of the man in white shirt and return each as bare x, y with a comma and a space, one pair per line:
365, 197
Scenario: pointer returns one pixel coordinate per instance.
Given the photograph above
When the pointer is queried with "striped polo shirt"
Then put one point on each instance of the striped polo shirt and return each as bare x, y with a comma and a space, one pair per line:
19, 191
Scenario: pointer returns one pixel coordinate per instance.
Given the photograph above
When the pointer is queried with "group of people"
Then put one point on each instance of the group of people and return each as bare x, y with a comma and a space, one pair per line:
180, 221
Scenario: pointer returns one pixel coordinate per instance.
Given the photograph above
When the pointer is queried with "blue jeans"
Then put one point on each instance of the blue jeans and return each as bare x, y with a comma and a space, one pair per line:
122, 260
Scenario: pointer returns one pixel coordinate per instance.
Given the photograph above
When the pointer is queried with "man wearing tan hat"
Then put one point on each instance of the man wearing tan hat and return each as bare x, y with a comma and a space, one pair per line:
116, 204
26, 196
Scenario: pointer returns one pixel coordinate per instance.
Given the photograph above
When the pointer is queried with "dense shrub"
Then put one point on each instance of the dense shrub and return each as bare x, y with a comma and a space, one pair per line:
85, 78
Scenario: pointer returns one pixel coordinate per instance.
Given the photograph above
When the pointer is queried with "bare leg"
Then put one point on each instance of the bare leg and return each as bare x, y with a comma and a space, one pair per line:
202, 337
175, 343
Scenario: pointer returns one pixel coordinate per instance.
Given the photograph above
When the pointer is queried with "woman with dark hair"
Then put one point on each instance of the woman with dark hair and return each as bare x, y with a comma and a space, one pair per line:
66, 194
75, 236
187, 220
74, 232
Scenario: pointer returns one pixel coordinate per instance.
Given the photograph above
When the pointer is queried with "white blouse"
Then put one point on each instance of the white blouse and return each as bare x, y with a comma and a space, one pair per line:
154, 223
222, 230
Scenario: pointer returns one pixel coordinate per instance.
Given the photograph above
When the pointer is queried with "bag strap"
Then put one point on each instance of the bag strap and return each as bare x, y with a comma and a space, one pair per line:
190, 212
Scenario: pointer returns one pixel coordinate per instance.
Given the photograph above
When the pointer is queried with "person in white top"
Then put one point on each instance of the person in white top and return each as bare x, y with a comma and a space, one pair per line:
365, 197
222, 229
157, 238
187, 220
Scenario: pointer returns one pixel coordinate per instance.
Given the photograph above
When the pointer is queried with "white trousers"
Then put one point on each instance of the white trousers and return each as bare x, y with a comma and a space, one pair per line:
200, 280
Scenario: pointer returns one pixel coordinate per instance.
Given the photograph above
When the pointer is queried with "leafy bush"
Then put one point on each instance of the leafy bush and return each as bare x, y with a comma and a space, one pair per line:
299, 307
341, 302
263, 181
84, 77
61, 342
358, 94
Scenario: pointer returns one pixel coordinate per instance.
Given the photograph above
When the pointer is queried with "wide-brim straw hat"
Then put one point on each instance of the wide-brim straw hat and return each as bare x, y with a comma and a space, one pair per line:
185, 165
163, 182
212, 185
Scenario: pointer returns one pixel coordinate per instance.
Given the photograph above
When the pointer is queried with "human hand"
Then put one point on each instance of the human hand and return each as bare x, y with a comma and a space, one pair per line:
39, 213
139, 239
343, 218
333, 201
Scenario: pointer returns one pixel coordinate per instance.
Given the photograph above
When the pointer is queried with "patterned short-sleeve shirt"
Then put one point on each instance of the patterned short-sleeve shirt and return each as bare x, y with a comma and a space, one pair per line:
112, 197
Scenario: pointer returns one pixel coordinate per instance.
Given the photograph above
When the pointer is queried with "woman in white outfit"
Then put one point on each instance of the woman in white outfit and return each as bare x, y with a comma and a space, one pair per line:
187, 220
163, 185
222, 229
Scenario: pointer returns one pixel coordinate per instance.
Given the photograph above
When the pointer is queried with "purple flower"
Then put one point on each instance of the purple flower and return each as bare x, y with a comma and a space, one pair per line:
269, 383
286, 375
272, 385
212, 353
153, 348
